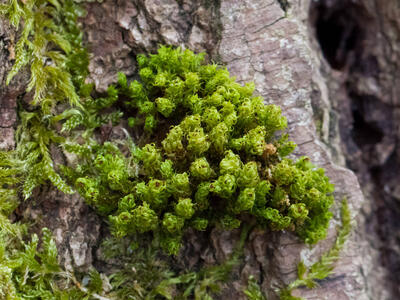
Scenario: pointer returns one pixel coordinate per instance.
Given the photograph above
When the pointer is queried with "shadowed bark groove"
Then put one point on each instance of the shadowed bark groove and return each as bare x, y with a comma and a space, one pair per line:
359, 39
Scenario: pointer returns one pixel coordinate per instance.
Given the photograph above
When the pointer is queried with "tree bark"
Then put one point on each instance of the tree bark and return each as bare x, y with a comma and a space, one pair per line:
333, 68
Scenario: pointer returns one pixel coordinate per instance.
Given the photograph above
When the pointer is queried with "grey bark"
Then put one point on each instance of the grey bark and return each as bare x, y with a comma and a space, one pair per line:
332, 67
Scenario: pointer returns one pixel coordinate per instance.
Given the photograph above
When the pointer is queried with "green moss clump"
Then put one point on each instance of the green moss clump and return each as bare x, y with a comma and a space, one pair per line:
209, 152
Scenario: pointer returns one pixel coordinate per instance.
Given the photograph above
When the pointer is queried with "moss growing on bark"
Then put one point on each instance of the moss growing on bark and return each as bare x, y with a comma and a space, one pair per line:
209, 153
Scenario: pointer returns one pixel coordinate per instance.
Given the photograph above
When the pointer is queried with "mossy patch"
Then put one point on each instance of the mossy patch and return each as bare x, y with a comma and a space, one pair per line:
207, 152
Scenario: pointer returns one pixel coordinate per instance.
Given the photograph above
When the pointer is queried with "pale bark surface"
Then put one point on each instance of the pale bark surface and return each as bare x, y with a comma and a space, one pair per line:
333, 68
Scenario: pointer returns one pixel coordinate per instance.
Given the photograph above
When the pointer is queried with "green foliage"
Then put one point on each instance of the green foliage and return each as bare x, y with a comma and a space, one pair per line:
253, 291
10, 177
141, 273
137, 270
95, 283
33, 151
44, 44
51, 44
309, 276
92, 115
203, 283
28, 271
209, 152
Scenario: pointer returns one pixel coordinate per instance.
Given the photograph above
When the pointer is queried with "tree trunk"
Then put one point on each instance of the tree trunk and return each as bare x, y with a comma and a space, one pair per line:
333, 68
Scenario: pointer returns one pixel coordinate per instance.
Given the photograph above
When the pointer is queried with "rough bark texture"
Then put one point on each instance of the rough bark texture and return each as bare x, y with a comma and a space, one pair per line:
362, 73
332, 67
